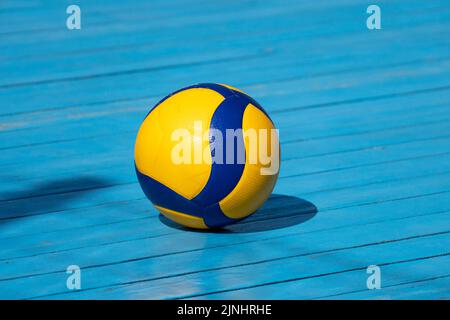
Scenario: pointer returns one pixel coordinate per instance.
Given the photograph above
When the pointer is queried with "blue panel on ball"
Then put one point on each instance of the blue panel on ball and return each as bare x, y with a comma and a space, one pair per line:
162, 196
215, 218
165, 197
249, 99
224, 91
224, 176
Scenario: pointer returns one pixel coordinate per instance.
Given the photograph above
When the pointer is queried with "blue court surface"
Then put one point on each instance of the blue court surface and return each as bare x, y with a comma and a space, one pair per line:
364, 120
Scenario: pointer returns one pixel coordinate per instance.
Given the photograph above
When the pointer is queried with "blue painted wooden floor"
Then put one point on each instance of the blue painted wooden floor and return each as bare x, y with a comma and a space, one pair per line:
364, 120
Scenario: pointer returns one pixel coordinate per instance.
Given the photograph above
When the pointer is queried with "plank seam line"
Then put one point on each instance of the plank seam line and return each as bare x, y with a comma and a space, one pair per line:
262, 262
394, 128
365, 148
218, 246
334, 153
312, 106
377, 182
70, 209
83, 105
105, 204
102, 24
262, 54
326, 35
80, 227
47, 143
146, 18
384, 287
431, 155
364, 99
357, 133
438, 137
211, 247
3, 260
311, 277
106, 186
172, 233
375, 164
57, 193
135, 71
321, 210
349, 134
14, 126
361, 69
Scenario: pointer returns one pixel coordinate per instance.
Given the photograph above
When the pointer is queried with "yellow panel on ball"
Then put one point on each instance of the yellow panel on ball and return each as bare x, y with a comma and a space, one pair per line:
254, 188
183, 219
155, 144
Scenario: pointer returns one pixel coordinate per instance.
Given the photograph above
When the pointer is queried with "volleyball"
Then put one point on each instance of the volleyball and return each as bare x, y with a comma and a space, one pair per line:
207, 156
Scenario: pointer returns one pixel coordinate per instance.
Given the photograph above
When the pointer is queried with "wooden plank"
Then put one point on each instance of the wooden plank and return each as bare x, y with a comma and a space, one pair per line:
400, 170
246, 273
365, 133
144, 81
348, 151
309, 49
330, 239
399, 277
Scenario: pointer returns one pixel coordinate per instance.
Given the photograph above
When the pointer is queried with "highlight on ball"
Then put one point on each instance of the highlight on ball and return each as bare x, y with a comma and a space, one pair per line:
207, 156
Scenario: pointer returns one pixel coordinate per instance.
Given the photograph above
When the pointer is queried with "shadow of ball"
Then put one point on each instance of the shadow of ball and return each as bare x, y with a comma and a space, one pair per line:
279, 211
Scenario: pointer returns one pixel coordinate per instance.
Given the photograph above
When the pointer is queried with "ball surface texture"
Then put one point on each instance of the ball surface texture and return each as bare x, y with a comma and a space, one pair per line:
207, 156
